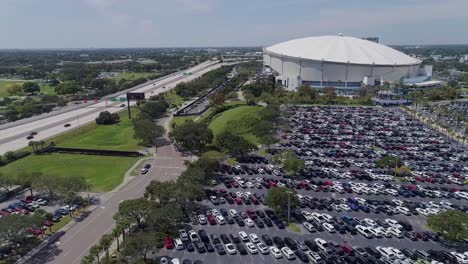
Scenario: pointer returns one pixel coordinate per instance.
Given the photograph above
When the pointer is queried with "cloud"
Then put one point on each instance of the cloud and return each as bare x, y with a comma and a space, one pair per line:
196, 6
100, 4
335, 20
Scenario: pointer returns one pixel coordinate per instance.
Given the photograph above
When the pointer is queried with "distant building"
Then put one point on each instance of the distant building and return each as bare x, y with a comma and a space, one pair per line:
373, 39
345, 63
464, 59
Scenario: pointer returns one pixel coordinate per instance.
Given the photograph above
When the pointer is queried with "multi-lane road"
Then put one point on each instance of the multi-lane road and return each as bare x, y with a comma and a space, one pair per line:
14, 137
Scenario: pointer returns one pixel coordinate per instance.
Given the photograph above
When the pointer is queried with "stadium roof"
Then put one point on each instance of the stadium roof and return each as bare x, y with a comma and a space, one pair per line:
342, 49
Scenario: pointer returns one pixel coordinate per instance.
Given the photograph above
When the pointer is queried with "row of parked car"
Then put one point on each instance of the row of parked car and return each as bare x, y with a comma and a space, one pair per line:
317, 250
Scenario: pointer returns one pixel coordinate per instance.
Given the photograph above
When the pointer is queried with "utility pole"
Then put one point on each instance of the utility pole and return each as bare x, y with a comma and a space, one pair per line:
289, 206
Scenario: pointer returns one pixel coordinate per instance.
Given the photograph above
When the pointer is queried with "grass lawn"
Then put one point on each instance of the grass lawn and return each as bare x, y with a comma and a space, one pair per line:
174, 99
238, 114
4, 88
111, 137
179, 120
103, 173
45, 89
294, 228
132, 75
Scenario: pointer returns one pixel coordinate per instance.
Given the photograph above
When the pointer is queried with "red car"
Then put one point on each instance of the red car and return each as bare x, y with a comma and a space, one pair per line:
48, 223
249, 213
34, 231
211, 220
168, 243
238, 201
235, 184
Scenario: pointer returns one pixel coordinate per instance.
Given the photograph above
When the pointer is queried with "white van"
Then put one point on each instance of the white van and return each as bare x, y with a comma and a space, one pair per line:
386, 253
178, 244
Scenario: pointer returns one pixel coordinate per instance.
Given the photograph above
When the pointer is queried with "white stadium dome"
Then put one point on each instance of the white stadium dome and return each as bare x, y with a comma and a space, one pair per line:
338, 61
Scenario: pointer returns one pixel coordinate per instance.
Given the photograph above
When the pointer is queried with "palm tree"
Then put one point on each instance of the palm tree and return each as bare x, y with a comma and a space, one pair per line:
42, 144
105, 243
95, 251
122, 223
89, 259
116, 234
32, 144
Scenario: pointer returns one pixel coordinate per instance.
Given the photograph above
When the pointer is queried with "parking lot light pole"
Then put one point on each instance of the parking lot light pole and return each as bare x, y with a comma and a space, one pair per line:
289, 205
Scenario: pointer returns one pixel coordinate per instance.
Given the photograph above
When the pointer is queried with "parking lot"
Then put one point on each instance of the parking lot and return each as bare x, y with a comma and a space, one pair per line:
345, 198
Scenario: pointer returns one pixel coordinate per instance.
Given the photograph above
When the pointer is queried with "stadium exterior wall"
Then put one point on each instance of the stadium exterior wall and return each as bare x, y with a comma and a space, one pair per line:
292, 72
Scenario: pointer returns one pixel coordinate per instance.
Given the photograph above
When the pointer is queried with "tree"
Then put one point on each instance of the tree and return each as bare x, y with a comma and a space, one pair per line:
31, 87
147, 131
192, 136
267, 140
13, 228
15, 89
389, 162
116, 232
329, 94
135, 210
293, 165
105, 243
452, 224
217, 100
68, 88
155, 109
88, 259
162, 192
262, 128
96, 251
139, 244
233, 144
106, 118
278, 199
166, 218
403, 171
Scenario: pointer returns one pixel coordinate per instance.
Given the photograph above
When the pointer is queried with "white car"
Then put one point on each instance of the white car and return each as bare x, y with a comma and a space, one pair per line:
288, 253
370, 222
254, 238
397, 252
345, 207
376, 232
322, 244
249, 222
250, 184
363, 230
251, 248
175, 261
243, 235
314, 257
309, 227
403, 210
395, 232
202, 219
307, 215
461, 258
183, 235
262, 248
215, 212
193, 236
231, 249
220, 219
276, 252
239, 194
336, 207
178, 244
327, 217
329, 227
422, 211
233, 213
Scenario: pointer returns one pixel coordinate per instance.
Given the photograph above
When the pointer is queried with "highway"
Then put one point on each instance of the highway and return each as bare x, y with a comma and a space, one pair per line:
14, 138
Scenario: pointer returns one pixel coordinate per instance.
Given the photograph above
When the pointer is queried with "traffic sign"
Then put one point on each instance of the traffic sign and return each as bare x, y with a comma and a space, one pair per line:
112, 99
122, 99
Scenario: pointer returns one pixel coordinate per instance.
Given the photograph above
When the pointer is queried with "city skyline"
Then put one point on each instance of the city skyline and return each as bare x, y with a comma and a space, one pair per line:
201, 23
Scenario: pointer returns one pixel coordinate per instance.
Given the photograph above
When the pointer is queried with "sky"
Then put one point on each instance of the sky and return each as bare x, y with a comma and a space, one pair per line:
201, 23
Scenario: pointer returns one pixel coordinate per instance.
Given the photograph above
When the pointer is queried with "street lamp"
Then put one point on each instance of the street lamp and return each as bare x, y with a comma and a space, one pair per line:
289, 205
